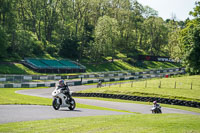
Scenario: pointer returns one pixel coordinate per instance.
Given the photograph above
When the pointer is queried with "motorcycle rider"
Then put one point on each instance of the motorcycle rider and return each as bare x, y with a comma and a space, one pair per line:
156, 106
65, 89
99, 84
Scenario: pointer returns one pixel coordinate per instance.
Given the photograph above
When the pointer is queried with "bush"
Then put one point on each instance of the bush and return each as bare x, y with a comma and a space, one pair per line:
52, 49
25, 45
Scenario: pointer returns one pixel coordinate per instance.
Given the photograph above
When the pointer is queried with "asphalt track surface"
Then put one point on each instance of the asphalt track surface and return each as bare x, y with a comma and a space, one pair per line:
17, 113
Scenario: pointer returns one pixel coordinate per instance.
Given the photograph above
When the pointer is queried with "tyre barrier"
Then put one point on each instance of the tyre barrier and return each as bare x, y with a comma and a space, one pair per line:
140, 98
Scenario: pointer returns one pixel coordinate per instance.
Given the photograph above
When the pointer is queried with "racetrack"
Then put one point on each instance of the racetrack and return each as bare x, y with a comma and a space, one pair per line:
15, 113
132, 107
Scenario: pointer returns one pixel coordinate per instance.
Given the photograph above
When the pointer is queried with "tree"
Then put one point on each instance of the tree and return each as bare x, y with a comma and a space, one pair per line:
191, 41
26, 45
156, 35
83, 28
69, 48
149, 12
3, 43
196, 12
174, 47
106, 36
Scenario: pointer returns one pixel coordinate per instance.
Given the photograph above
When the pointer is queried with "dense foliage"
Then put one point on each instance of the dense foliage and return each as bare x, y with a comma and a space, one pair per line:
91, 29
191, 41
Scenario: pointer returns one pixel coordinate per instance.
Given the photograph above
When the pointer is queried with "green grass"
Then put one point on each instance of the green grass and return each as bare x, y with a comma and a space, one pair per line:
120, 65
168, 123
182, 91
8, 96
165, 123
15, 68
27, 70
146, 103
10, 68
154, 64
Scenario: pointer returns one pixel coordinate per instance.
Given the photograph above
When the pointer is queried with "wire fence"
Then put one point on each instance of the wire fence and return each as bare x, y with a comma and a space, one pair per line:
161, 83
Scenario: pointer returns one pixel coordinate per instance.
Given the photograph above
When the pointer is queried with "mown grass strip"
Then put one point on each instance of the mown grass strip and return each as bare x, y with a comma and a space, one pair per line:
8, 96
167, 123
173, 88
118, 65
146, 103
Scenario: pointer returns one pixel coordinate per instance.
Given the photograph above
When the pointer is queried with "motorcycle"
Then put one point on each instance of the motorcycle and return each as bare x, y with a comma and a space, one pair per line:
61, 100
156, 110
99, 84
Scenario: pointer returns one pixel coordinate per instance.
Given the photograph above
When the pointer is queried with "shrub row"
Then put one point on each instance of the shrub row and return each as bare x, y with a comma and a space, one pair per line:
139, 98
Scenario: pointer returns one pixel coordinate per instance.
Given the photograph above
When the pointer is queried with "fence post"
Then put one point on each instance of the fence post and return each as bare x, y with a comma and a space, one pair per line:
146, 84
22, 77
175, 85
159, 85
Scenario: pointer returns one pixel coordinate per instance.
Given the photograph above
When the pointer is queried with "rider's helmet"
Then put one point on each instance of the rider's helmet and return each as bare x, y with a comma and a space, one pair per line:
154, 102
61, 82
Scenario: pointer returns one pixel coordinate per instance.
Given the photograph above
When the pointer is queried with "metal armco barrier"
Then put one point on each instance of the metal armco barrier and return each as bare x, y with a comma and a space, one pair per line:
132, 76
100, 75
120, 79
30, 85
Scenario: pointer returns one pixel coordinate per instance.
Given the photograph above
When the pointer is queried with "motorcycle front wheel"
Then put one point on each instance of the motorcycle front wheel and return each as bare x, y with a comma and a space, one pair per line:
72, 104
55, 105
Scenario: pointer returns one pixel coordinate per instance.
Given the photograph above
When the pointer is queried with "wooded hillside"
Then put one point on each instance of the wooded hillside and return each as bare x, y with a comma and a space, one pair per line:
94, 29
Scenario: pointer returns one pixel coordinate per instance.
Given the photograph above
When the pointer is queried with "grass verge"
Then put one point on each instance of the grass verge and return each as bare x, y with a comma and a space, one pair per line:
168, 123
197, 110
118, 65
173, 88
8, 96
